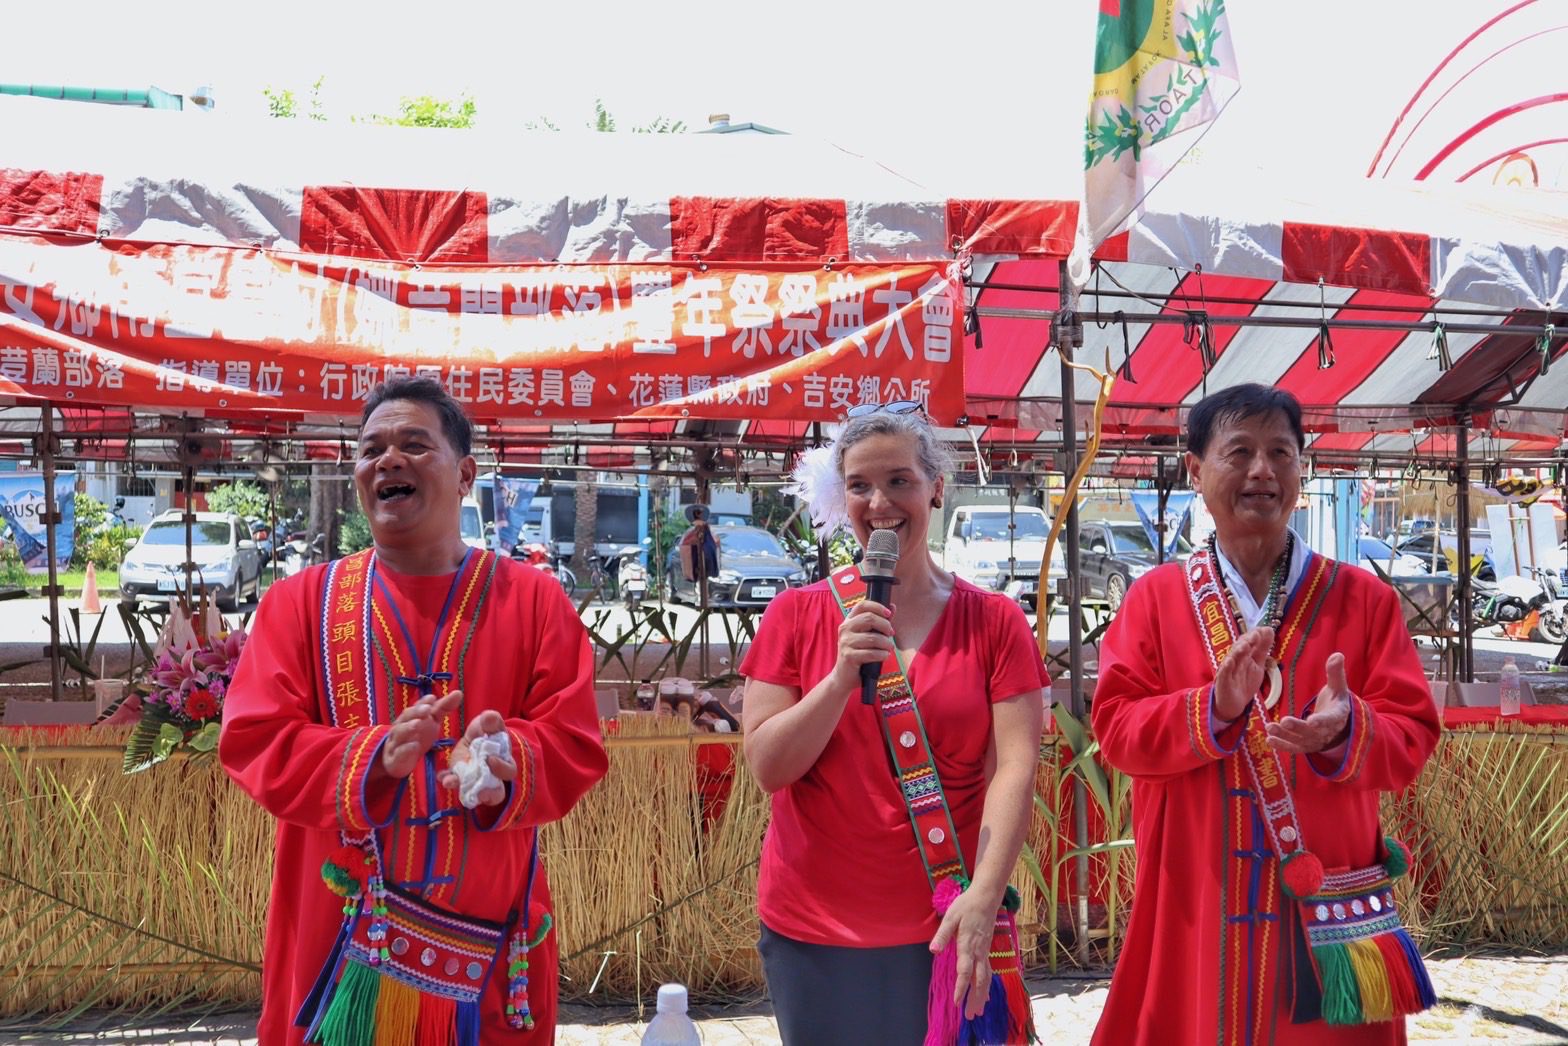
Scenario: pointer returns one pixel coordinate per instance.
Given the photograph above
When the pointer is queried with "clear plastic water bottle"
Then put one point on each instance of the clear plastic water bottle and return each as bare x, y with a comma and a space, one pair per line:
670, 1025
1508, 681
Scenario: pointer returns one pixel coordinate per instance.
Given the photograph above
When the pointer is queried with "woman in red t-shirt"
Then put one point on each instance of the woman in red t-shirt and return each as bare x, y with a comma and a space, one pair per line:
848, 929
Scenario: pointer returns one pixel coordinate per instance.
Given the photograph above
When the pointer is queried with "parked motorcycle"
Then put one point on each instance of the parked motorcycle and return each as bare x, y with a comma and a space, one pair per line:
1545, 618
299, 553
632, 576
537, 555
1528, 608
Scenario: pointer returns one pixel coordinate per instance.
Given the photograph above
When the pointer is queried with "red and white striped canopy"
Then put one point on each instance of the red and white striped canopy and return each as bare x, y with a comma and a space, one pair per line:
80, 177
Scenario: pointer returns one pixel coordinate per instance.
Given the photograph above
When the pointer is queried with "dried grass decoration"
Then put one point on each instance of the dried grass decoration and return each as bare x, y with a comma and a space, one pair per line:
195, 660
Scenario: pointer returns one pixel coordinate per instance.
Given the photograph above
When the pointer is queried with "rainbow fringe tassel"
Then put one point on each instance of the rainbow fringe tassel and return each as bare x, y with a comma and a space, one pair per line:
1007, 1018
367, 1008
1368, 968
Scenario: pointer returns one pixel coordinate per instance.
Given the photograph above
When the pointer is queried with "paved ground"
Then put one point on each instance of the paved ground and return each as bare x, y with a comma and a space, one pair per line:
1517, 1000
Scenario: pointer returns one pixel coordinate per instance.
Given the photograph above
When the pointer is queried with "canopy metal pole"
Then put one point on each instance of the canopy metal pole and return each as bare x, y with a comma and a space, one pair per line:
1069, 333
1298, 322
51, 520
1462, 507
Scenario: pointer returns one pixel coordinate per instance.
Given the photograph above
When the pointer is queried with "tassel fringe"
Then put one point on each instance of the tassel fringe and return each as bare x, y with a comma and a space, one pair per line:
351, 1016
367, 1009
1373, 979
437, 1021
397, 1014
1007, 1017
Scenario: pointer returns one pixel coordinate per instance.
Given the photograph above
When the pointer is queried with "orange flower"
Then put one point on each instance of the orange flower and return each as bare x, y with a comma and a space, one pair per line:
200, 705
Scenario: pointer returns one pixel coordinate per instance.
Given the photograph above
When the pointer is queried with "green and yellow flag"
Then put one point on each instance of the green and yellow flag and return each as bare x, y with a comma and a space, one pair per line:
1163, 71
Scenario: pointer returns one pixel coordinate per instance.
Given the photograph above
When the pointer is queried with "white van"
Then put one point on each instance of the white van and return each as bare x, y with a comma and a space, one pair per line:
991, 547
472, 524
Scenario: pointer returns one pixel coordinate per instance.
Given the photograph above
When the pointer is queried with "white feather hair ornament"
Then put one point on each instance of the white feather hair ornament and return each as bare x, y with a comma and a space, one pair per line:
817, 482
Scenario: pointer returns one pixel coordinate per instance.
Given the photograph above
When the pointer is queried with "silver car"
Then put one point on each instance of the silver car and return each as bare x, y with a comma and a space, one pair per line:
227, 564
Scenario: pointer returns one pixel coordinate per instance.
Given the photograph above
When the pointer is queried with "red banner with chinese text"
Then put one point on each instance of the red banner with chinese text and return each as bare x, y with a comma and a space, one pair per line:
189, 328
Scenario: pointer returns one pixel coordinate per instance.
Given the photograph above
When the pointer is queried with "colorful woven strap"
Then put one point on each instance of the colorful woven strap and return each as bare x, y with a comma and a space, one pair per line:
913, 762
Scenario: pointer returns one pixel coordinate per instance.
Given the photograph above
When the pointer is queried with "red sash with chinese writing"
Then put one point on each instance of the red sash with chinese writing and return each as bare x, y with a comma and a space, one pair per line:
1350, 960
1007, 1017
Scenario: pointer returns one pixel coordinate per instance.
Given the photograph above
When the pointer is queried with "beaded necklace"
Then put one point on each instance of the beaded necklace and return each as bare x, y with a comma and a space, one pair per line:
1273, 606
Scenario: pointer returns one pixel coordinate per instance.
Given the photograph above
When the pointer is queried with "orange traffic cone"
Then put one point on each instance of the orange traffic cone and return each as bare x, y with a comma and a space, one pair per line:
90, 601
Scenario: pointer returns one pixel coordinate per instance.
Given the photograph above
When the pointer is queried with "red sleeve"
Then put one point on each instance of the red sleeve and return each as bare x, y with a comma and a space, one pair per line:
1146, 729
274, 744
556, 743
1394, 724
1016, 667
773, 657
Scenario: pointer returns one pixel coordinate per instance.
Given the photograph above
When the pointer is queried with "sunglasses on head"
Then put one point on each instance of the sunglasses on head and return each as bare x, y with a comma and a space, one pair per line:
862, 410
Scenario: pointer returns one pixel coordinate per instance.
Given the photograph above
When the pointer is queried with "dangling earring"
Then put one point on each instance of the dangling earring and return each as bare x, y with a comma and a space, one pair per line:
936, 502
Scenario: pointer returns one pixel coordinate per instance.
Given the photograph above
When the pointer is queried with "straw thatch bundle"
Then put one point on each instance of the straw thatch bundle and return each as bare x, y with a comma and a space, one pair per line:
126, 892
1487, 825
143, 892
646, 892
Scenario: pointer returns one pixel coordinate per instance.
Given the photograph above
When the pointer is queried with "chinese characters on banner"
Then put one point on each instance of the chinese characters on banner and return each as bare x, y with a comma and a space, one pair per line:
182, 327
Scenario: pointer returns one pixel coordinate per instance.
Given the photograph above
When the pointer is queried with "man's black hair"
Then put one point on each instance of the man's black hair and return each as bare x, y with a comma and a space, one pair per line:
1237, 403
459, 431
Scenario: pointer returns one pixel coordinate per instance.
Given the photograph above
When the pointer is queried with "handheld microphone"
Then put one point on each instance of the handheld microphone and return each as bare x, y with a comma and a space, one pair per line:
876, 568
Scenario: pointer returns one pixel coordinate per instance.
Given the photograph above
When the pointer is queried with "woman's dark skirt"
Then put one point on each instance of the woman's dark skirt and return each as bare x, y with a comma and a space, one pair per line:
826, 996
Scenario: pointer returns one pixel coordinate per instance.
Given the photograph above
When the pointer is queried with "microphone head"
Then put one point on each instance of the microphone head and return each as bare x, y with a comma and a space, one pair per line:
881, 554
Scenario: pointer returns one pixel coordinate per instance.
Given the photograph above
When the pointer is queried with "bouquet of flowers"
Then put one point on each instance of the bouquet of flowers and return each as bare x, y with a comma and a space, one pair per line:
184, 703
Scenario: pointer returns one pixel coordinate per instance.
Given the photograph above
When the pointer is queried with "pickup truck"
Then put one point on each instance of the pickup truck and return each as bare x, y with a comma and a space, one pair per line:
992, 548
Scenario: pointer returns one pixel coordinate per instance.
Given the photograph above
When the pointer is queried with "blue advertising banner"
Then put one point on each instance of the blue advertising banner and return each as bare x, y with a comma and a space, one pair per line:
1178, 506
22, 510
512, 500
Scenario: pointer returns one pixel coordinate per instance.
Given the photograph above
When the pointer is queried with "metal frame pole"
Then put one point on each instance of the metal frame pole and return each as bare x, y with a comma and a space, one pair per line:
1462, 509
51, 519
1067, 335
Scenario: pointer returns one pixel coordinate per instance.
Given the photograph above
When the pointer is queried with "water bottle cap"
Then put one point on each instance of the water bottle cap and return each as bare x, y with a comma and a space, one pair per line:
672, 998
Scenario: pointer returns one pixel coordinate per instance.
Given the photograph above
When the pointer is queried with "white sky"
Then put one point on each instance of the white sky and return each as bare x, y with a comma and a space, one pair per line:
1320, 82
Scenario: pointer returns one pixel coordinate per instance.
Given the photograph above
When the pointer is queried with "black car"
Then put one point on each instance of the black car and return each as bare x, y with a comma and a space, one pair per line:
1114, 555
753, 568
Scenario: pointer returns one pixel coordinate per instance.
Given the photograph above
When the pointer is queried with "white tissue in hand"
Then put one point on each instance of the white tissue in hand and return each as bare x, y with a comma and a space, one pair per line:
474, 774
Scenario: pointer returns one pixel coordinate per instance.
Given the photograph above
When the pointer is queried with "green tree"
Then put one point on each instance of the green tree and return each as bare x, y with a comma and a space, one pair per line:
604, 120
429, 111
241, 497
283, 104
354, 535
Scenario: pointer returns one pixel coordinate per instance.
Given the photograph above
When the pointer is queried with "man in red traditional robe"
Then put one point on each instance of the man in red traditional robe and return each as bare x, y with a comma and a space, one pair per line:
1214, 950
362, 685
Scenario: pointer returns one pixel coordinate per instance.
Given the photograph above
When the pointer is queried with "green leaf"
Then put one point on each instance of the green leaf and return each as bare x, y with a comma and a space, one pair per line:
140, 747
206, 739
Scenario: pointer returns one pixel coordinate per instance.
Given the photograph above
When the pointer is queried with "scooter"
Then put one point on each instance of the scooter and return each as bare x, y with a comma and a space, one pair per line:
299, 553
632, 576
537, 555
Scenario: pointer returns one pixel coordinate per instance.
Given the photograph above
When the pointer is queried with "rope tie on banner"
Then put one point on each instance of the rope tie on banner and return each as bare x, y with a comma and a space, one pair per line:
1325, 341
1543, 345
1198, 333
972, 308
1440, 347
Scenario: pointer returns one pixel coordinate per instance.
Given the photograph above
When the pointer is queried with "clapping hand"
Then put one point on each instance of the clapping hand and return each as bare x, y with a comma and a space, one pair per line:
415, 732
1240, 675
486, 722
1324, 727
